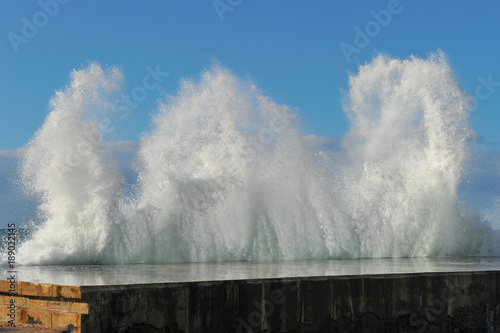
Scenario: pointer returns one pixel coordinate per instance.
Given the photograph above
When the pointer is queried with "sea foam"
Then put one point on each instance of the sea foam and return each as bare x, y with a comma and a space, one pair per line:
225, 174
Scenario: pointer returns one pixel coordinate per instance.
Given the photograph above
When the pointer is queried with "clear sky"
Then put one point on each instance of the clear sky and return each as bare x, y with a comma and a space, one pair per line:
291, 49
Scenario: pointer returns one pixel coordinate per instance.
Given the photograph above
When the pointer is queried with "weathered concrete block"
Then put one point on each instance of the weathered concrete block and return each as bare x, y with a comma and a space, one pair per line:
437, 302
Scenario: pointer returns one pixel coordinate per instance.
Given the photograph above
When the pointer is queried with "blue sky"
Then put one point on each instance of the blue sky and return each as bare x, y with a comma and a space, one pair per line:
290, 49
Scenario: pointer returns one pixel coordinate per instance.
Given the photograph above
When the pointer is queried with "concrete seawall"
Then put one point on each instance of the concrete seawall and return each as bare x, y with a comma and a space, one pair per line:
420, 302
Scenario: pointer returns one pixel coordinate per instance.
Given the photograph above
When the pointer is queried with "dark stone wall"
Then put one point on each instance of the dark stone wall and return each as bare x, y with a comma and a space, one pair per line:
434, 302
